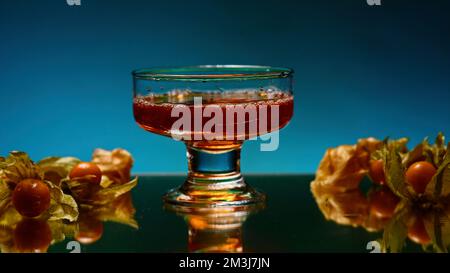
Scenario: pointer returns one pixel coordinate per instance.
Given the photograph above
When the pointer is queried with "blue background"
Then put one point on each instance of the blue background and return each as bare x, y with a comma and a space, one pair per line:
361, 71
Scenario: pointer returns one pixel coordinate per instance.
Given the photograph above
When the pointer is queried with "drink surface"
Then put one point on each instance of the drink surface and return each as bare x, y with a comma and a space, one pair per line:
235, 116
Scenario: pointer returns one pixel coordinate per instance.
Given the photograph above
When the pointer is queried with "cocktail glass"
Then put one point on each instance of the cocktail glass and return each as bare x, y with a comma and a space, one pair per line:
213, 109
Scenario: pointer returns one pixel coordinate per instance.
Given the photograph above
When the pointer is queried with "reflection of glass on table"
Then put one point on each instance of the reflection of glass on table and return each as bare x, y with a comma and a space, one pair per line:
215, 229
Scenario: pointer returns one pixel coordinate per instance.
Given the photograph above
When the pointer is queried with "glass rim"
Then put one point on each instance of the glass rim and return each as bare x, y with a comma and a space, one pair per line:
212, 73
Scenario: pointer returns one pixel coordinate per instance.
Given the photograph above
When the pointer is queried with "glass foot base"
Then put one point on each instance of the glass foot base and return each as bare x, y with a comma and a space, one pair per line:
214, 178
208, 194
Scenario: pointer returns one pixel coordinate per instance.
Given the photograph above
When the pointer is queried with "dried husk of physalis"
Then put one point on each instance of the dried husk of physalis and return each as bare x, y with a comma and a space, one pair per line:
338, 177
17, 166
121, 210
342, 168
115, 164
336, 185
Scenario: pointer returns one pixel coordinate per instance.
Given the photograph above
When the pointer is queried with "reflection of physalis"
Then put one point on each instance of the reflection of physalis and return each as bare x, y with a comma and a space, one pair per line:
31, 235
90, 222
411, 194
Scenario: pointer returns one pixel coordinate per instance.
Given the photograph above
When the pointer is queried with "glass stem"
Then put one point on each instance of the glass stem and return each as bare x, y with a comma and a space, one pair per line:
214, 178
213, 165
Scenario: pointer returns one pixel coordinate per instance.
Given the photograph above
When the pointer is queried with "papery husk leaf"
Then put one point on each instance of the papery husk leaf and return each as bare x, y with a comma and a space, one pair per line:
445, 227
106, 195
416, 154
438, 228
10, 217
345, 208
432, 153
342, 168
394, 172
57, 165
6, 234
5, 196
106, 182
396, 231
96, 195
439, 186
62, 230
439, 149
440, 140
121, 210
17, 167
62, 206
115, 164
6, 239
399, 144
81, 190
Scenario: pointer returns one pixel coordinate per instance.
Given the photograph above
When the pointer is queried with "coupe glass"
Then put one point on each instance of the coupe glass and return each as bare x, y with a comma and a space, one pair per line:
213, 109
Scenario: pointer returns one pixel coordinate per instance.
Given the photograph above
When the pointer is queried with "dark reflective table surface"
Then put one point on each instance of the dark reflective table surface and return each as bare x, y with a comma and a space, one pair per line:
290, 222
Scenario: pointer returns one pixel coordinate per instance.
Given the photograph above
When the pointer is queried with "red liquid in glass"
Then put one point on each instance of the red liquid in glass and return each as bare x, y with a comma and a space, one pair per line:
153, 113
